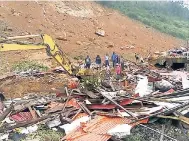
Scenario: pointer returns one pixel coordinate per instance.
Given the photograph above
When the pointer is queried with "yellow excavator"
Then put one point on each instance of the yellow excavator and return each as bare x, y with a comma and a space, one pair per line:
52, 49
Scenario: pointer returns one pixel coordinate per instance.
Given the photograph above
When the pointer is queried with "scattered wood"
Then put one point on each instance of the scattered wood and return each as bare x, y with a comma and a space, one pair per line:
6, 112
131, 114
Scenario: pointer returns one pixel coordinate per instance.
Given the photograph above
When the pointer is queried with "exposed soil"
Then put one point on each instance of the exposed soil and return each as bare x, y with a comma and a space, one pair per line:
76, 23
20, 86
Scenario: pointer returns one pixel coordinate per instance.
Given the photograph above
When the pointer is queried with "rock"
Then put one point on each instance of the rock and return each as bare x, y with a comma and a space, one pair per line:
79, 43
127, 47
100, 32
110, 44
97, 42
16, 14
163, 85
109, 14
86, 43
121, 48
62, 38
85, 48
91, 39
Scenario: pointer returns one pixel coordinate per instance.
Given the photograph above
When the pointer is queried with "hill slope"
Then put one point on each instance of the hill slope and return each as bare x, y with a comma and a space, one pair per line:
167, 16
77, 22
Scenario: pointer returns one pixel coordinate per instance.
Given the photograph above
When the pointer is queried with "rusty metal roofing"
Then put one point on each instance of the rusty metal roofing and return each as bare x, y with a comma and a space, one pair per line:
22, 116
97, 128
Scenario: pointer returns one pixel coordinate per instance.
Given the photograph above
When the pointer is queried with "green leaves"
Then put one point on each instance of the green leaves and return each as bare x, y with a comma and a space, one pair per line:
168, 17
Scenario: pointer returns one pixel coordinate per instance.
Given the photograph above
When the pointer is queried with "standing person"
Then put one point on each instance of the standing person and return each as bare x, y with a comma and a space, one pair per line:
113, 59
117, 59
98, 61
106, 60
88, 62
122, 63
118, 71
136, 57
141, 60
2, 106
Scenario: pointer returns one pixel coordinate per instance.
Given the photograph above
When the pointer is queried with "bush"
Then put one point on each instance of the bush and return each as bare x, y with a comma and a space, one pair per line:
146, 21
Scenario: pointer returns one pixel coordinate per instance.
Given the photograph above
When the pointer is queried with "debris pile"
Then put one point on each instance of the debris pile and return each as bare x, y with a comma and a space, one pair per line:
104, 111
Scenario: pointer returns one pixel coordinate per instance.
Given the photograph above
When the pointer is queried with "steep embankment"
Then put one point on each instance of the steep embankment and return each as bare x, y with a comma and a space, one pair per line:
166, 16
76, 23
73, 26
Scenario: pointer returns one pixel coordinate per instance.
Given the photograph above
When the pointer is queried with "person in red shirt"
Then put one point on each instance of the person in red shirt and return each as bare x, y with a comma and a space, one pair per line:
118, 71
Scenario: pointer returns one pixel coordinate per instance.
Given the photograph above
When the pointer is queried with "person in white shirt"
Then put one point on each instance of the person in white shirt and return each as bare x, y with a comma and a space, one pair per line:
106, 60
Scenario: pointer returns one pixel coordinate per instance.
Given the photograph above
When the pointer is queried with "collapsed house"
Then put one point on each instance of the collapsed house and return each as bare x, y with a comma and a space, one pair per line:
109, 109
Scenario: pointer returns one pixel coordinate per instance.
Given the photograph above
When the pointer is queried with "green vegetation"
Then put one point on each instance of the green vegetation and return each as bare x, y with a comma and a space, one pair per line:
45, 134
29, 65
133, 138
168, 17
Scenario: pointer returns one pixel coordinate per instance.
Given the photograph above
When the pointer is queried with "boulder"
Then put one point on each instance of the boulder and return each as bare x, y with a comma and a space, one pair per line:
79, 43
100, 32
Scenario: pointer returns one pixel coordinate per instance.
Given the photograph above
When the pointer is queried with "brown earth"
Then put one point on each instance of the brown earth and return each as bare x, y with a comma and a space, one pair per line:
20, 86
77, 22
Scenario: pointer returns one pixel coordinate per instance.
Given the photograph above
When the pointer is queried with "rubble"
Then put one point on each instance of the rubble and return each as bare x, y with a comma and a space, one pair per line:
109, 109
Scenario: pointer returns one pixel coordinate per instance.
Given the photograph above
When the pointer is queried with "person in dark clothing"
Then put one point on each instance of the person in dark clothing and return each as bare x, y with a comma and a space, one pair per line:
113, 59
98, 61
88, 62
118, 59
2, 106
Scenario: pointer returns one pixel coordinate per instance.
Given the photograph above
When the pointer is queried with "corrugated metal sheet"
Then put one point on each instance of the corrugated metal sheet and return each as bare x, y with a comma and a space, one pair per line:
56, 106
22, 116
96, 129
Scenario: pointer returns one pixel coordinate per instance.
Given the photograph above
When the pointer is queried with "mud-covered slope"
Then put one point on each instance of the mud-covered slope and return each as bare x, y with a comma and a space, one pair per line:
76, 23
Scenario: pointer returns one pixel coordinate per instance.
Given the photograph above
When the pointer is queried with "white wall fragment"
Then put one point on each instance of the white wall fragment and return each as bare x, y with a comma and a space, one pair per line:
120, 130
142, 87
185, 82
75, 124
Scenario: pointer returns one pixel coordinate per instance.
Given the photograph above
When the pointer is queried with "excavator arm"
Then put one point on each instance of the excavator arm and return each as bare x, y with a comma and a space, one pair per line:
48, 44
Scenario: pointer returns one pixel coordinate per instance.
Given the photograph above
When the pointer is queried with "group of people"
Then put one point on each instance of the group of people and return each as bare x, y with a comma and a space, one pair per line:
115, 59
117, 62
